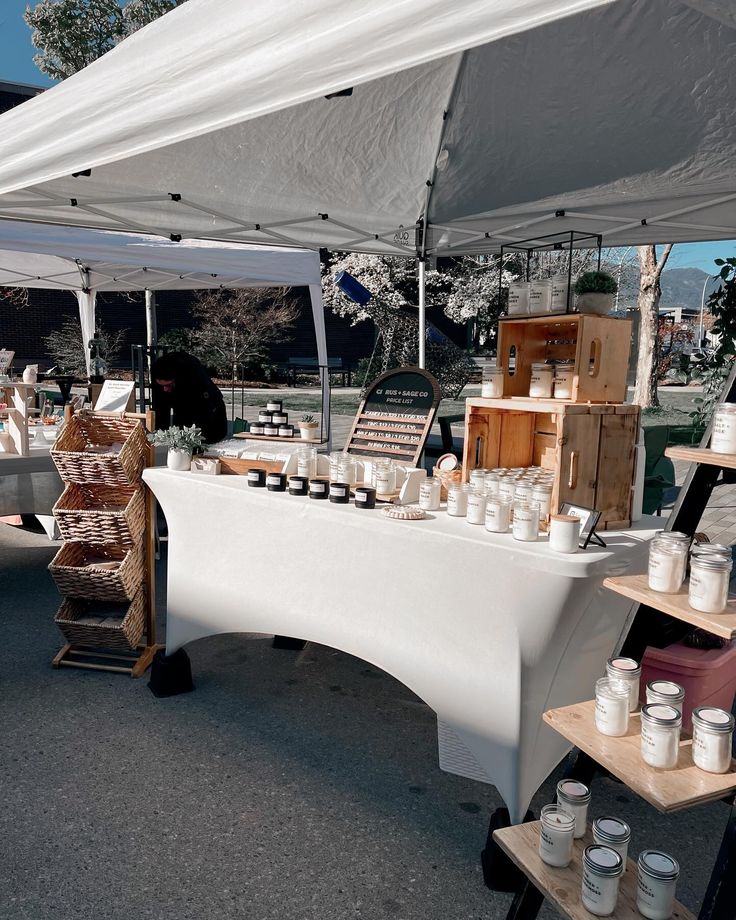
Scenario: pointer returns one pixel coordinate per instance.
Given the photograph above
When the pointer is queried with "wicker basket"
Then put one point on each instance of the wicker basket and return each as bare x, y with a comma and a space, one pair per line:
446, 477
120, 626
76, 575
101, 514
77, 460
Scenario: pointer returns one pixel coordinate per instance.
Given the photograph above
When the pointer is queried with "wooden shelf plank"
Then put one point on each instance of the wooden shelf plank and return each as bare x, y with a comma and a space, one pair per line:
563, 887
702, 455
247, 436
668, 790
637, 588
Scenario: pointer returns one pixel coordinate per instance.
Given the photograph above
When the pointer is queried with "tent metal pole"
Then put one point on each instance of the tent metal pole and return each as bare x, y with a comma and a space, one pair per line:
421, 264
151, 331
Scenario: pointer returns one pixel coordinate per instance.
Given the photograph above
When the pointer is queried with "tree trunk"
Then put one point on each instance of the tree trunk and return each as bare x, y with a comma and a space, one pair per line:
645, 391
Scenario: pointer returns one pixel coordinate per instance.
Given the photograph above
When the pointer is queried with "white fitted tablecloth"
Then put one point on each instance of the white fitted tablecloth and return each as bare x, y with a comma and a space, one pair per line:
29, 485
488, 631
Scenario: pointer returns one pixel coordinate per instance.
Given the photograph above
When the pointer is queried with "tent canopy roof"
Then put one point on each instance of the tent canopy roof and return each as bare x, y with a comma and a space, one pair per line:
70, 258
496, 121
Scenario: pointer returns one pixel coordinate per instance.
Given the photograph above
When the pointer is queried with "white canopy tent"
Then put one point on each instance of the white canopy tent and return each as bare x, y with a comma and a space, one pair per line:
455, 127
85, 261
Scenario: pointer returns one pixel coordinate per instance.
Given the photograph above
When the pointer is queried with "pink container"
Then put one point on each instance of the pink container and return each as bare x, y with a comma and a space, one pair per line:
708, 675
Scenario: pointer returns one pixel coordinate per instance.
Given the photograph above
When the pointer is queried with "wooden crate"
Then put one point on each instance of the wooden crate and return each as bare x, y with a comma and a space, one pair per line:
589, 447
599, 346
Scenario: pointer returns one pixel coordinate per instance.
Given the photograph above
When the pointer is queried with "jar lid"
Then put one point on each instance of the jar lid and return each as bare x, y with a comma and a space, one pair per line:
624, 664
715, 720
573, 791
658, 864
713, 561
447, 462
541, 487
661, 714
716, 548
672, 547
542, 365
675, 535
612, 830
566, 518
603, 860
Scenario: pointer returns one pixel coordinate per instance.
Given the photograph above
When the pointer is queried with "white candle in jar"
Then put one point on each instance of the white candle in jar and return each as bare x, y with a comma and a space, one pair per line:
602, 868
384, 479
655, 893
723, 437
457, 499
667, 565
541, 381
518, 298
667, 692
660, 735
429, 494
498, 513
626, 673
614, 833
477, 478
611, 708
709, 578
476, 512
306, 462
564, 377
712, 739
564, 533
542, 495
556, 836
526, 521
492, 384
574, 797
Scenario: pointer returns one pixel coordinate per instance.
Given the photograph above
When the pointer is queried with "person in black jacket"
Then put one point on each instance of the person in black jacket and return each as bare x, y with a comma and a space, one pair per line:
184, 394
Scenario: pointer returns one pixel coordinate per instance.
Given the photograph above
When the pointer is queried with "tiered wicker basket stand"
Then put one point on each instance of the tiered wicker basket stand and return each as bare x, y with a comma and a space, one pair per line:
107, 518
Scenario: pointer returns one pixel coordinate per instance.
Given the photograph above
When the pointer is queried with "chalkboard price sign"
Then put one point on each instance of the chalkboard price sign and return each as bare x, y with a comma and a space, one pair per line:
396, 415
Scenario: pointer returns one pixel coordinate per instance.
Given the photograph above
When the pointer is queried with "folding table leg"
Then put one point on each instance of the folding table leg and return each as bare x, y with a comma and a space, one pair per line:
527, 902
499, 872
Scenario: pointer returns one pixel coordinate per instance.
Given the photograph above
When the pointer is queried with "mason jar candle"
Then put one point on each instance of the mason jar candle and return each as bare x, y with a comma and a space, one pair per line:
660, 735
723, 436
564, 375
257, 478
655, 892
477, 478
540, 296
347, 471
429, 494
542, 495
457, 499
574, 797
556, 831
319, 488
541, 381
523, 491
334, 458
667, 692
564, 533
711, 549
340, 493
613, 833
476, 507
276, 482
611, 708
298, 485
507, 486
498, 513
274, 405
365, 498
667, 565
626, 673
384, 477
602, 870
492, 383
526, 521
709, 578
306, 462
712, 739
518, 303
490, 482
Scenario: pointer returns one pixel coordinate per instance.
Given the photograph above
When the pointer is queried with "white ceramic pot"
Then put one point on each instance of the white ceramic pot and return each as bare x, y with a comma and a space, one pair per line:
180, 460
594, 302
308, 434
30, 374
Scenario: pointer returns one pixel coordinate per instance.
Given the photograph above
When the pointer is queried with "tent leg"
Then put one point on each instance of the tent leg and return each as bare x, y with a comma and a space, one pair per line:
422, 314
151, 332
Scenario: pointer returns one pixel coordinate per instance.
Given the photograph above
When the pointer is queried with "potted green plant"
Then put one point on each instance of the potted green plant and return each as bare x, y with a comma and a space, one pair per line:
182, 443
595, 292
307, 428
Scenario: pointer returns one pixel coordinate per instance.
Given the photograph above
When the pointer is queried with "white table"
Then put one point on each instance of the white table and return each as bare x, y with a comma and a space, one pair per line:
489, 632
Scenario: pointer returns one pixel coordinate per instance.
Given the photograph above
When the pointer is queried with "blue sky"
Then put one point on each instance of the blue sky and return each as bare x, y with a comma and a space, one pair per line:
16, 65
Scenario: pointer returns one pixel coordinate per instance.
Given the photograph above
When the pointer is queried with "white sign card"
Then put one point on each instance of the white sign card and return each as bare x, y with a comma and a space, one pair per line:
6, 359
114, 396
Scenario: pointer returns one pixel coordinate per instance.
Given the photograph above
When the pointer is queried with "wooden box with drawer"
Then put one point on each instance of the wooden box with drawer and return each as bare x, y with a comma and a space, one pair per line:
589, 447
599, 346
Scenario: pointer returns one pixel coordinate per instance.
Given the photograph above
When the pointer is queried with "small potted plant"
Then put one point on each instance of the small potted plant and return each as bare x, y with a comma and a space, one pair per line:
182, 443
595, 292
307, 428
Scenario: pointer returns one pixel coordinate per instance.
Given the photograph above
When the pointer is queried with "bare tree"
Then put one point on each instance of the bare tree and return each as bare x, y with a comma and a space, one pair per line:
237, 326
650, 291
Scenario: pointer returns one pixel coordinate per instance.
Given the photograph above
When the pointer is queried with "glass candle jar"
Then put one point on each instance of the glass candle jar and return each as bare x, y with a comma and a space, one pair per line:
655, 892
457, 499
667, 692
626, 673
507, 486
257, 478
602, 869
365, 498
564, 374
709, 578
477, 478
556, 836
611, 708
542, 495
384, 480
667, 565
476, 507
298, 485
712, 739
492, 384
429, 494
490, 483
319, 488
523, 491
276, 482
613, 833
306, 462
334, 458
498, 513
564, 533
347, 471
575, 798
660, 735
526, 521
518, 302
723, 437
541, 381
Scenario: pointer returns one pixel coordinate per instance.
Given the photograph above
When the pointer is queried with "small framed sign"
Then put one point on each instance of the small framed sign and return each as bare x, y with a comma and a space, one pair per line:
589, 518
